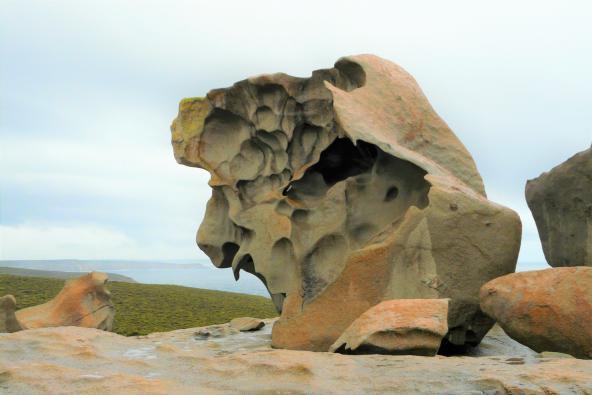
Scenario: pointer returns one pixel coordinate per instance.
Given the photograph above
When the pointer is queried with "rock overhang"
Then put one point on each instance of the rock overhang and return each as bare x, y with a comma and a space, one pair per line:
308, 174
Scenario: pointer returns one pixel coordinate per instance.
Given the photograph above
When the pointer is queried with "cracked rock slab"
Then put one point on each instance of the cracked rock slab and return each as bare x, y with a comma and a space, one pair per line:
75, 360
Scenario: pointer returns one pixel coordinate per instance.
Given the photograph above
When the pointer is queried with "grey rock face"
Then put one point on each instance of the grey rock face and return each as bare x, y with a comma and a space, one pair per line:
561, 203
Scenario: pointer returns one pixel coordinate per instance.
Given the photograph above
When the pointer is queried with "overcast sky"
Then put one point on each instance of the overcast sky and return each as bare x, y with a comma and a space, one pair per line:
88, 91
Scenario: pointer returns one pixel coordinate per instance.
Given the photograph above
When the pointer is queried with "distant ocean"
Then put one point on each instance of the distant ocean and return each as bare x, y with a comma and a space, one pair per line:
190, 273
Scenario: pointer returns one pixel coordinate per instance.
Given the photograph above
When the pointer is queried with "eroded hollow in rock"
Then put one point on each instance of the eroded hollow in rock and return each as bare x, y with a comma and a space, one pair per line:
370, 349
368, 177
340, 160
292, 197
339, 205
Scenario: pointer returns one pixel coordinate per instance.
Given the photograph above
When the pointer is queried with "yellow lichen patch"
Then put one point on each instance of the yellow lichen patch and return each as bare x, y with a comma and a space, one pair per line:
189, 100
192, 115
188, 126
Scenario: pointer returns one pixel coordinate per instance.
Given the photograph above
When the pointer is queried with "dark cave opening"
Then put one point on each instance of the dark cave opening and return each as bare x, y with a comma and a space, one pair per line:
342, 159
229, 250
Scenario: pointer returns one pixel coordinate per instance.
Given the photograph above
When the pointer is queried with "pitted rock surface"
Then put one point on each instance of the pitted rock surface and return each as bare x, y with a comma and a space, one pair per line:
340, 191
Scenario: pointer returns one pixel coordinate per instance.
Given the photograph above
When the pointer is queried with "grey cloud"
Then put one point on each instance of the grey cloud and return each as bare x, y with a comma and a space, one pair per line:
511, 78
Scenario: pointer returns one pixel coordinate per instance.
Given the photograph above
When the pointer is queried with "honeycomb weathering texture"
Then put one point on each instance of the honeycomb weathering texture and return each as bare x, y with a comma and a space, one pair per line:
340, 191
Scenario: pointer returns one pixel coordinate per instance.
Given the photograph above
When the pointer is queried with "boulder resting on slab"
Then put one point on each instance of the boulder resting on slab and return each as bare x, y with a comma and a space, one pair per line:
247, 324
8, 321
546, 310
340, 191
84, 301
561, 204
402, 326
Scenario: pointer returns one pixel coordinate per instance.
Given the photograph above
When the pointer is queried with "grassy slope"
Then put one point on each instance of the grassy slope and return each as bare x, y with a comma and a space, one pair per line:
17, 271
145, 308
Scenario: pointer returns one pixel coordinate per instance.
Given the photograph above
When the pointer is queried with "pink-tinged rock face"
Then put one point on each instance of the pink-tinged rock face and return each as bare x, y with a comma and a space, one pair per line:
340, 191
546, 310
402, 326
84, 301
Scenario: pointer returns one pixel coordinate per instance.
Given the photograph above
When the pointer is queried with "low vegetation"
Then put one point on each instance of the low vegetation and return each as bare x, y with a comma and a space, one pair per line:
146, 308
17, 271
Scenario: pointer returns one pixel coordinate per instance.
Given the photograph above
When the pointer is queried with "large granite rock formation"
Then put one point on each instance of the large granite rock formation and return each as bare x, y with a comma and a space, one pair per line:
83, 301
401, 326
561, 204
546, 310
71, 360
340, 191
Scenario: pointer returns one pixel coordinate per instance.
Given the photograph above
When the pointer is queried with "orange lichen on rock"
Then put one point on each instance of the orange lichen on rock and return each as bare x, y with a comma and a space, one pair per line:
546, 310
401, 326
83, 301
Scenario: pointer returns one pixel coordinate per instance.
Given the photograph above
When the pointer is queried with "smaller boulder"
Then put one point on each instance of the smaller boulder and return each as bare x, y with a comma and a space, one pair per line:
546, 310
84, 301
247, 324
8, 321
400, 326
561, 204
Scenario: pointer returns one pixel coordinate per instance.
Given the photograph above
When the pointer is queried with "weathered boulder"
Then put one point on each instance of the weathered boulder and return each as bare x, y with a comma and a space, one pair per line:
8, 321
83, 301
561, 204
400, 326
546, 310
247, 324
340, 191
